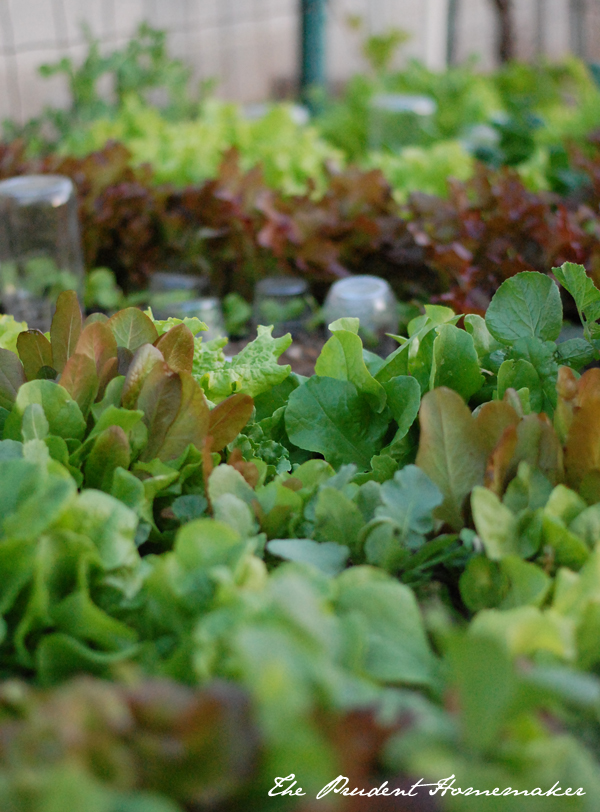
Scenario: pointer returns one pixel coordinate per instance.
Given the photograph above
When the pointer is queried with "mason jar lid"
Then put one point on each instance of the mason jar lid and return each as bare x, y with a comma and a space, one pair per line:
27, 190
282, 286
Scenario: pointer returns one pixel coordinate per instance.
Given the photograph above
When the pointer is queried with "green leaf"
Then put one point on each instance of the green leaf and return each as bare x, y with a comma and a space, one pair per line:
540, 354
12, 376
415, 352
9, 332
450, 452
35, 352
110, 451
77, 616
252, 371
337, 518
228, 418
132, 328
126, 419
403, 399
80, 379
160, 399
519, 375
525, 305
574, 278
483, 340
109, 524
189, 507
62, 413
98, 343
455, 362
65, 329
483, 674
342, 358
177, 348
397, 650
528, 584
575, 353
496, 525
144, 361
483, 584
408, 503
334, 419
327, 556
347, 323
206, 543
190, 427
34, 425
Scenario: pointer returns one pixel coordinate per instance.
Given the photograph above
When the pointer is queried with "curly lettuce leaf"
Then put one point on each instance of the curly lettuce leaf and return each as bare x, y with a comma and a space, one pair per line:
9, 331
252, 371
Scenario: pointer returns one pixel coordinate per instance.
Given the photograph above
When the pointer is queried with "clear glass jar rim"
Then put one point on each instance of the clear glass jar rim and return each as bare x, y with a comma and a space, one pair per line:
26, 190
162, 281
281, 286
360, 287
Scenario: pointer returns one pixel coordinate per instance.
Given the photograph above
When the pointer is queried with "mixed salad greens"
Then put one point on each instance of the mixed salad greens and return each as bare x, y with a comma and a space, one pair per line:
388, 569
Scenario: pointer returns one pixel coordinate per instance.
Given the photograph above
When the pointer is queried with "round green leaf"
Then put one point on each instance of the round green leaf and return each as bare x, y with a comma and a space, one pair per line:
527, 304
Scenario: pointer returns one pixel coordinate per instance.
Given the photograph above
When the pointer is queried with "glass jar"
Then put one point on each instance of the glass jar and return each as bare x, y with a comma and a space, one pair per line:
397, 120
208, 309
168, 291
40, 246
284, 302
370, 299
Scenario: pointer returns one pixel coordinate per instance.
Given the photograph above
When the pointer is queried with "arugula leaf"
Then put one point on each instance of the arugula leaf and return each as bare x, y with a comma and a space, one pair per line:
587, 296
342, 358
455, 363
332, 417
525, 306
327, 556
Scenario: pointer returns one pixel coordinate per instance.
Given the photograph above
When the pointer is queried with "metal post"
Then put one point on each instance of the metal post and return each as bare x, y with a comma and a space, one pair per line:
540, 28
451, 43
578, 38
313, 37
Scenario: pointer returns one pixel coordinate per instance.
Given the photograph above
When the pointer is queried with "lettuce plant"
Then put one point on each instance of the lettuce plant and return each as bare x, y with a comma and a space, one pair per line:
398, 551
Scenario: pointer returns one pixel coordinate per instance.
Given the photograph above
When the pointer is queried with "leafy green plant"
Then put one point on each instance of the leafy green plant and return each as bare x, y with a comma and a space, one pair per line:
398, 550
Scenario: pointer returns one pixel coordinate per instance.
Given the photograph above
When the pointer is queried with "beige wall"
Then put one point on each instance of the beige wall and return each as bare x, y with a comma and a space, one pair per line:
250, 45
